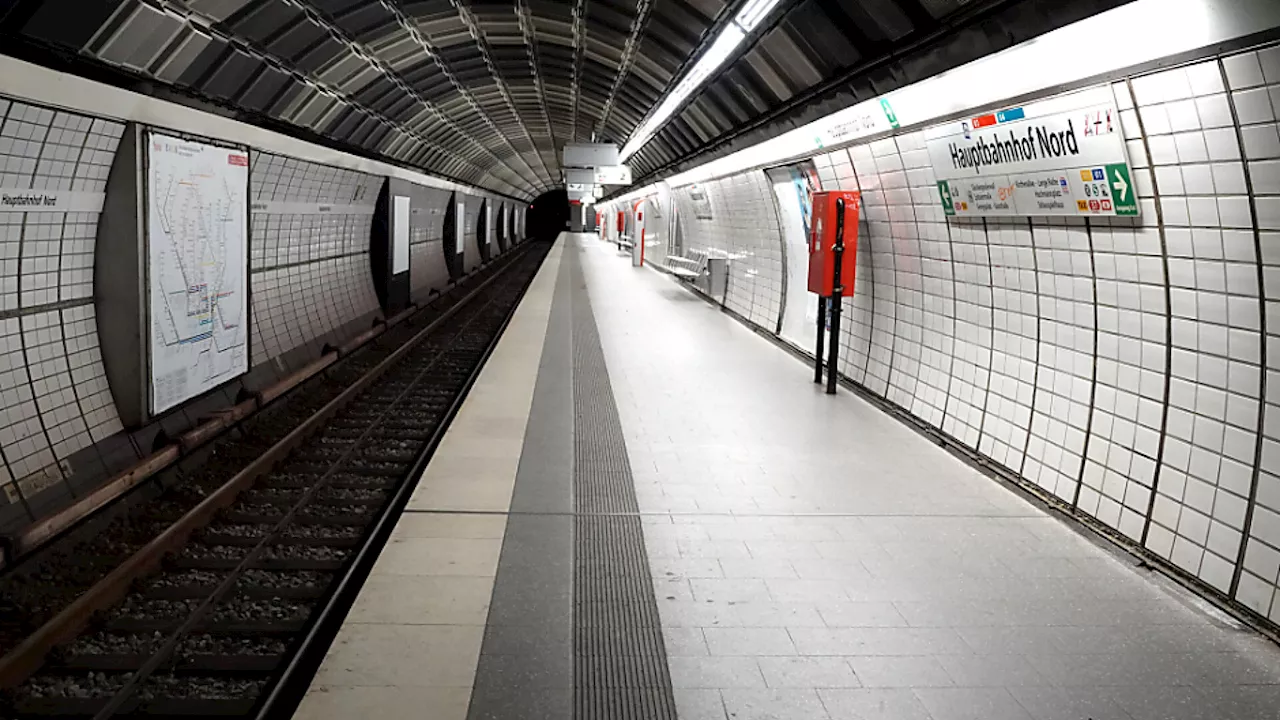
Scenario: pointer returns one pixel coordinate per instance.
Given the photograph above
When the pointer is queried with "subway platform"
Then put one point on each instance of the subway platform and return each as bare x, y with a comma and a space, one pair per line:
646, 510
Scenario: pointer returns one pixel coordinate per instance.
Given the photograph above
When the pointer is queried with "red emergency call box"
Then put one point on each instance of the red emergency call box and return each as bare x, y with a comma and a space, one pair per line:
824, 226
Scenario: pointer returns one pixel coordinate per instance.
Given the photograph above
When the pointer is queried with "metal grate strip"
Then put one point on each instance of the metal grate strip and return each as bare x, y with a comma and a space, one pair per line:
620, 662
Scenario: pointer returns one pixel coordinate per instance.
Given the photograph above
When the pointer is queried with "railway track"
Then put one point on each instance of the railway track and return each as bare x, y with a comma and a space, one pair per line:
218, 607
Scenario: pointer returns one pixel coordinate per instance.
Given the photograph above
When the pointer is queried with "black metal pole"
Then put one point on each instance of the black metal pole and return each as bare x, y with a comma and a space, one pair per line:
822, 329
836, 293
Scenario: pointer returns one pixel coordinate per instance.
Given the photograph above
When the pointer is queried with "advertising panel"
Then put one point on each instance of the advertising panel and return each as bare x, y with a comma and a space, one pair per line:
197, 250
459, 232
400, 236
701, 203
1063, 156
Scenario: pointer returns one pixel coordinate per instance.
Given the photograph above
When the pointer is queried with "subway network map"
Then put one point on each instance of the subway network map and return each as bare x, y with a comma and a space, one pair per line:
197, 243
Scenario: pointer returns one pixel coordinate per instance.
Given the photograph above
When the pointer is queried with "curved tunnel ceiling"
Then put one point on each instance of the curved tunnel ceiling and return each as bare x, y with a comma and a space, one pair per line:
486, 92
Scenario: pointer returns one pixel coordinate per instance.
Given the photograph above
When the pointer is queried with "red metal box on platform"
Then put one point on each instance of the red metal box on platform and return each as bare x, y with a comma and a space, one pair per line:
824, 227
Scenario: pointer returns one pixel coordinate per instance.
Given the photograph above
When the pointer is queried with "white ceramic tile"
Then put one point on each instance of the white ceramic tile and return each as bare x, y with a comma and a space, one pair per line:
1183, 115
1228, 178
1202, 211
1163, 150
1269, 59
1192, 147
1260, 141
1243, 70
1265, 176
1253, 106
1196, 180
1205, 78
1221, 144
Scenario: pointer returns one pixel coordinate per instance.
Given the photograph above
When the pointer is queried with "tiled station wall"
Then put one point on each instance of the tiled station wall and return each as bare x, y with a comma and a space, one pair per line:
54, 399
744, 226
310, 283
310, 274
471, 224
427, 270
1128, 367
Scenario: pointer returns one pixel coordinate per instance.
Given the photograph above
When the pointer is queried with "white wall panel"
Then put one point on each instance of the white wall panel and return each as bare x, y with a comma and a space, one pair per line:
55, 402
1261, 576
309, 269
1206, 471
937, 323
883, 278
971, 358
1064, 374
744, 227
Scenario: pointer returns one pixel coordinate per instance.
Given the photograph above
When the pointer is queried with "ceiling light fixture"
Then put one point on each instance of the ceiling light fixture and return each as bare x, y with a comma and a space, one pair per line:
725, 43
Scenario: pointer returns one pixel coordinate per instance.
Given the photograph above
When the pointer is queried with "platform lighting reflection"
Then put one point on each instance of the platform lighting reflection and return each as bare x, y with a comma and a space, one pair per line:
729, 39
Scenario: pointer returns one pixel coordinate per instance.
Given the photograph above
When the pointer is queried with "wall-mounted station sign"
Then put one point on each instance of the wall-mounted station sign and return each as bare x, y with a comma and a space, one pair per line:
612, 175
1063, 156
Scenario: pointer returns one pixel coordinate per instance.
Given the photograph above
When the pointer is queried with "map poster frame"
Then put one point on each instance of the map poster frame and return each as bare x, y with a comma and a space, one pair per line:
150, 134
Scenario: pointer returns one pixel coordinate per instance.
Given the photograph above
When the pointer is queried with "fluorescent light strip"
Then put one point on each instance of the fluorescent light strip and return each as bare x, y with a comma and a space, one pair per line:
753, 13
725, 43
1170, 28
1173, 28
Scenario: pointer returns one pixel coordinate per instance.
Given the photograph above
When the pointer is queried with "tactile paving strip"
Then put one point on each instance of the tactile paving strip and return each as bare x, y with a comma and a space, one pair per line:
620, 662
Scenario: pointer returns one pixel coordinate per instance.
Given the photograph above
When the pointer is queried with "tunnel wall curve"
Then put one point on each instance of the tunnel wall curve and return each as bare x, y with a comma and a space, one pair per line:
1125, 368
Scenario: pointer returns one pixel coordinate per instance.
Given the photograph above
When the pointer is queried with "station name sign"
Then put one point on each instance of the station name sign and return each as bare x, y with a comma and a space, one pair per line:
13, 200
1064, 156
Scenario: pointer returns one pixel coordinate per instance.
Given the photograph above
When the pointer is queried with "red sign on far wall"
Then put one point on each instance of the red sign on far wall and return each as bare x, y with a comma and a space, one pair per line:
238, 160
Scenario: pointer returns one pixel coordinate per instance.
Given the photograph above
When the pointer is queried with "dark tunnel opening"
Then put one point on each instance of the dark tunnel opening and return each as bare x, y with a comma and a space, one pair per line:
549, 215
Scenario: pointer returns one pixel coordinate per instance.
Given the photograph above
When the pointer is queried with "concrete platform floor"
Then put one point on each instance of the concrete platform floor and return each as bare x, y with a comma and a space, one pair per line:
812, 557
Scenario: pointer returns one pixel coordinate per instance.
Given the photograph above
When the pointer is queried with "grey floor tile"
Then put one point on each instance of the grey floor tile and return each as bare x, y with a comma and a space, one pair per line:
715, 672
873, 704
713, 549
802, 590
528, 639
774, 705
861, 614
984, 670
689, 613
1052, 703
781, 549
778, 615
1260, 702
831, 569
673, 588
684, 642
540, 704
971, 704
1250, 667
1013, 640
878, 641
900, 671
549, 669
758, 567
726, 590
807, 672
749, 641
699, 704
678, 567
1154, 702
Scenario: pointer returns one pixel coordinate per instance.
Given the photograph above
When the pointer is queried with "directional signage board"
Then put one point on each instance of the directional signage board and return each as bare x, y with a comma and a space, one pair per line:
613, 175
1063, 156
